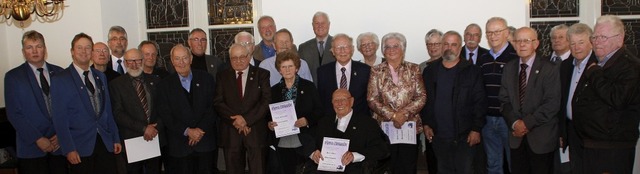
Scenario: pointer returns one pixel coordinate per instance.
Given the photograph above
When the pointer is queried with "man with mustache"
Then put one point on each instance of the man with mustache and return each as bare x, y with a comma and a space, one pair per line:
472, 37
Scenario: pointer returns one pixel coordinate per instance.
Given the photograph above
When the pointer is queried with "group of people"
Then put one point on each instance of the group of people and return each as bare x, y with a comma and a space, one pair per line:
473, 105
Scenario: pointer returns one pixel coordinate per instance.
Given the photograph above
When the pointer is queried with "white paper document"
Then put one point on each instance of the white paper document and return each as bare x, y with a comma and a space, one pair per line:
564, 156
139, 149
332, 151
284, 113
405, 135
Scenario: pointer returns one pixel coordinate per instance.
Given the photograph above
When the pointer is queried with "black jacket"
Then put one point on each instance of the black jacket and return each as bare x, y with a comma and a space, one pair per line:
469, 98
606, 110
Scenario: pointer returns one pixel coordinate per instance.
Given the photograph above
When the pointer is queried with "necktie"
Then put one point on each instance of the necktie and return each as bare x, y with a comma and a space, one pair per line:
88, 83
43, 82
523, 81
321, 48
471, 58
142, 95
239, 83
120, 69
556, 59
343, 79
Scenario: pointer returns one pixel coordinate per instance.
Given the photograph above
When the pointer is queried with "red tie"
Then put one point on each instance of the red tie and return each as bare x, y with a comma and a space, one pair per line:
239, 82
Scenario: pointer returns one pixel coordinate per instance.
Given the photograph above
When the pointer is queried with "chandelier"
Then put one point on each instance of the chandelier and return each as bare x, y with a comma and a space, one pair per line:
21, 10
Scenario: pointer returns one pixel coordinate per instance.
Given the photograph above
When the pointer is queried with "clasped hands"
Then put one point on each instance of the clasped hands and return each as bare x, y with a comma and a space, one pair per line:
150, 131
48, 144
519, 129
347, 157
301, 122
241, 125
399, 118
195, 135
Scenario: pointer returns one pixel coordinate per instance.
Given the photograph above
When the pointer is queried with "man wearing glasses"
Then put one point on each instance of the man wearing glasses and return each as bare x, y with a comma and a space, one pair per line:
246, 40
201, 61
132, 96
117, 44
494, 133
284, 41
607, 100
100, 59
472, 50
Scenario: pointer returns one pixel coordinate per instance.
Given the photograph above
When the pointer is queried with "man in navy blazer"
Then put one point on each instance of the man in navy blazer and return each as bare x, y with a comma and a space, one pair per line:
82, 114
472, 50
29, 109
356, 75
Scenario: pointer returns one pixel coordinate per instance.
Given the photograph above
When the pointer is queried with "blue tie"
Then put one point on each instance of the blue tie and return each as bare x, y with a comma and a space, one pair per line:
120, 69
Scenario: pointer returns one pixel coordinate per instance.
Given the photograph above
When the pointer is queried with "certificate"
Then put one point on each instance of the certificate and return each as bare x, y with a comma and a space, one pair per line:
139, 149
284, 113
332, 151
405, 135
564, 155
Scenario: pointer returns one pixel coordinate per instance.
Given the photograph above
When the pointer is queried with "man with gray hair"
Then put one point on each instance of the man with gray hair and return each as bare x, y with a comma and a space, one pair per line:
559, 44
433, 40
246, 40
316, 51
605, 107
118, 44
201, 61
472, 50
367, 44
455, 109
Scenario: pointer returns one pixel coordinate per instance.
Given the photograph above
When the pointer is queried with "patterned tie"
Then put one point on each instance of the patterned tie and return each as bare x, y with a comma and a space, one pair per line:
43, 82
471, 58
556, 59
142, 95
239, 83
343, 79
523, 82
88, 83
120, 69
321, 48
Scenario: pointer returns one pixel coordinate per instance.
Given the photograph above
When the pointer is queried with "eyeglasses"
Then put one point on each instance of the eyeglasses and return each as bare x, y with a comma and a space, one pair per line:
118, 39
524, 41
370, 44
101, 51
450, 44
386, 47
132, 61
491, 33
342, 47
436, 44
602, 38
242, 58
246, 43
199, 39
472, 35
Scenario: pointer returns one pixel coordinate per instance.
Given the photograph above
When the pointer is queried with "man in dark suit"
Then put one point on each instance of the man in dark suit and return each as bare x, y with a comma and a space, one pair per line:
29, 109
132, 97
242, 107
606, 102
354, 77
316, 51
472, 50
529, 102
246, 39
559, 44
201, 61
100, 59
118, 43
184, 103
150, 63
367, 143
82, 113
571, 71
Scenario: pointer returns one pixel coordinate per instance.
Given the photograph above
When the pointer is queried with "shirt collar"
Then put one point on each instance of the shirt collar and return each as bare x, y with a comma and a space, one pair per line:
347, 66
530, 61
584, 61
188, 78
606, 58
563, 56
35, 69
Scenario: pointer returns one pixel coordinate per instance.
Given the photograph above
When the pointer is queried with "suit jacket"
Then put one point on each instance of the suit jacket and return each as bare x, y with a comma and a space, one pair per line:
127, 108
541, 103
309, 52
214, 65
253, 106
464, 55
327, 84
110, 73
74, 118
259, 56
365, 137
179, 110
27, 109
566, 73
110, 66
307, 104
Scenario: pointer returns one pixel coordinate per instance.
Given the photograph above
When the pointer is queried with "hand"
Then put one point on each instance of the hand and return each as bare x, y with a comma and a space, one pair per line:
244, 131
519, 129
301, 122
561, 143
195, 134
399, 118
54, 142
150, 132
272, 125
428, 133
73, 157
117, 148
44, 144
347, 158
238, 121
316, 156
473, 138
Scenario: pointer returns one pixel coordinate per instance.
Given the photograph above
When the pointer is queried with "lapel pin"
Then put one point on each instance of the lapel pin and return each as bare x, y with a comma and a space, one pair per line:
211, 66
354, 128
151, 83
501, 66
198, 84
301, 92
98, 77
355, 73
250, 78
537, 71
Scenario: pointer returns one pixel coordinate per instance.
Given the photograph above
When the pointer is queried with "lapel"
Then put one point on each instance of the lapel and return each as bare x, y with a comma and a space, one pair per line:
100, 85
175, 87
35, 88
332, 78
131, 90
81, 89
536, 68
196, 87
251, 82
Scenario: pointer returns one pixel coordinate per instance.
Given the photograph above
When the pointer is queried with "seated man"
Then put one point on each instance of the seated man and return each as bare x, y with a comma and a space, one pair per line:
367, 142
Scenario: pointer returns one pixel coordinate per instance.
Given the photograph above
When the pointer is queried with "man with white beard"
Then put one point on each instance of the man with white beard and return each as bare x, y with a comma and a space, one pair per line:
132, 99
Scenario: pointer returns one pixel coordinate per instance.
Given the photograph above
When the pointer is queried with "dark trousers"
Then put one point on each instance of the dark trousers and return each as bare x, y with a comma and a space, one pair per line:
284, 160
525, 161
432, 163
235, 157
480, 160
101, 161
196, 163
48, 164
576, 151
611, 161
148, 166
403, 158
454, 155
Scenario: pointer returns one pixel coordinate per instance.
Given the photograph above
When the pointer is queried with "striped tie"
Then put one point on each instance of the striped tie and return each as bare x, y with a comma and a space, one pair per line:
343, 79
523, 82
142, 95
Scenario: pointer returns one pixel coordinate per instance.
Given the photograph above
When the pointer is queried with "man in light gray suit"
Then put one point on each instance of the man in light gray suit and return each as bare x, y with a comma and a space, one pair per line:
316, 51
530, 99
